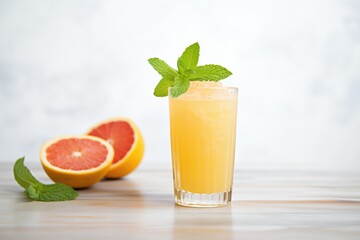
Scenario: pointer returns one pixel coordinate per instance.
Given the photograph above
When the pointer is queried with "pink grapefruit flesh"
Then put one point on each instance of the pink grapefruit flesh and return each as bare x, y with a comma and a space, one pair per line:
76, 154
119, 134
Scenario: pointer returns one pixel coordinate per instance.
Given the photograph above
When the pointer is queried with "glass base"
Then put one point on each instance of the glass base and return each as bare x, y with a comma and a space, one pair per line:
189, 199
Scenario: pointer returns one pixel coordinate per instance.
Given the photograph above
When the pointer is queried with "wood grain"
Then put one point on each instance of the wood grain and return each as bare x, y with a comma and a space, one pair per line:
266, 205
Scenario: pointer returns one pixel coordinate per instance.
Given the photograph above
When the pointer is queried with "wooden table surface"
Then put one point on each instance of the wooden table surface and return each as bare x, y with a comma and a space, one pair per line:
267, 204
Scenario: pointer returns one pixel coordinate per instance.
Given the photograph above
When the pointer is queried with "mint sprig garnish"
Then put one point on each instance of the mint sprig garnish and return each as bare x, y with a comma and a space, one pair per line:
38, 191
187, 71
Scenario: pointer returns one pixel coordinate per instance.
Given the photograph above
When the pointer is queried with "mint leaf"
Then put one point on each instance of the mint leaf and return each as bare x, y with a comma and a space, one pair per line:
32, 192
181, 85
56, 192
161, 89
189, 72
51, 192
210, 72
163, 68
22, 174
190, 57
35, 190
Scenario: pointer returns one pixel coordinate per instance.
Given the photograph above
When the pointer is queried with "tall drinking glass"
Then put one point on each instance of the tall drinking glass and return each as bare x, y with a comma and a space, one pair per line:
203, 132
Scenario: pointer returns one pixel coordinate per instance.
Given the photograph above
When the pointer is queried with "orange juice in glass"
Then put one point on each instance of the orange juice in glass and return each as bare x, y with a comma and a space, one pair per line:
203, 132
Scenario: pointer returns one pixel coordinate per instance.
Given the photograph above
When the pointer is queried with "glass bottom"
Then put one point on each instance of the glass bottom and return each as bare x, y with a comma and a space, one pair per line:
189, 199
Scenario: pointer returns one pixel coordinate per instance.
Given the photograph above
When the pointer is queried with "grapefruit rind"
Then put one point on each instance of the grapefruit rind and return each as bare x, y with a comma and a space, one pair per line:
132, 158
77, 178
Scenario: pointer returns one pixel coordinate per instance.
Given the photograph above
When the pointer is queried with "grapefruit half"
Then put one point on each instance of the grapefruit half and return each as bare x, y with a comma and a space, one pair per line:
128, 143
78, 161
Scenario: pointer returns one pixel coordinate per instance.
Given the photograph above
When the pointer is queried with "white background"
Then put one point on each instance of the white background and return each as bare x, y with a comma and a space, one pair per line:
65, 65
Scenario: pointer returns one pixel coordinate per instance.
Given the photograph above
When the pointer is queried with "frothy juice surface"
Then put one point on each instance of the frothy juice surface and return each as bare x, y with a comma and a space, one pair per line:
203, 130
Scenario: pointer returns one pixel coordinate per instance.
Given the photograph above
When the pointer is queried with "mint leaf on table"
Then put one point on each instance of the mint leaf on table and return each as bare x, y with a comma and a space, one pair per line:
38, 191
22, 174
187, 71
56, 192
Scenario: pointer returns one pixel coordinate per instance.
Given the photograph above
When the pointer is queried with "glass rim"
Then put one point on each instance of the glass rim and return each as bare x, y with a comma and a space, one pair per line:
215, 88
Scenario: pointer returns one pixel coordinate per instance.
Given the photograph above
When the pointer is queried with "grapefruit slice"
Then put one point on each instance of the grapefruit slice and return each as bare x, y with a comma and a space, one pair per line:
128, 143
78, 161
